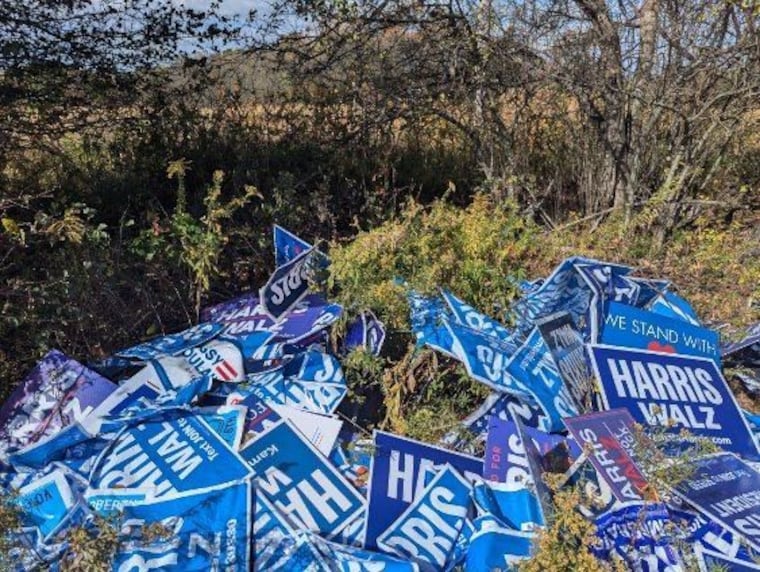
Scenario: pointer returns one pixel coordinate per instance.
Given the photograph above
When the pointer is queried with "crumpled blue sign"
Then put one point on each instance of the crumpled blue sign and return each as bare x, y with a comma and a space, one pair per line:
709, 560
727, 490
300, 482
208, 530
245, 314
365, 332
513, 506
314, 382
468, 316
172, 344
288, 284
581, 293
496, 547
46, 501
170, 453
429, 527
639, 521
399, 471
672, 305
533, 367
227, 421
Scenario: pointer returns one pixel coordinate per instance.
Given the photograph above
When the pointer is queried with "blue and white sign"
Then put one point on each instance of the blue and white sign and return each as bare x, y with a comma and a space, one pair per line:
470, 317
502, 406
709, 561
107, 502
287, 245
673, 391
674, 306
210, 530
300, 482
506, 460
427, 530
366, 332
173, 343
227, 421
496, 547
171, 453
635, 328
727, 490
311, 395
288, 285
399, 471
565, 343
533, 367
486, 359
514, 506
46, 501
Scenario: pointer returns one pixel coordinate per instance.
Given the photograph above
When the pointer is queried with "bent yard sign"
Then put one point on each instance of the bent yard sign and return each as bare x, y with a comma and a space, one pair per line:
671, 390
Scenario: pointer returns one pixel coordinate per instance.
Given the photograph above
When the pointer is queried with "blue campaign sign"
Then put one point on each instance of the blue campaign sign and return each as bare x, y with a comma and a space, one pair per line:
709, 561
429, 527
399, 471
287, 285
727, 490
367, 332
46, 501
506, 460
632, 327
565, 343
533, 367
515, 507
172, 452
227, 421
675, 391
470, 317
501, 405
287, 245
496, 547
300, 482
485, 358
210, 530
317, 396
173, 343
112, 501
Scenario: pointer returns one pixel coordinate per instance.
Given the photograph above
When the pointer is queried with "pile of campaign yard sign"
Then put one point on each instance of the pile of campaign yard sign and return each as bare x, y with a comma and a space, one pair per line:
227, 435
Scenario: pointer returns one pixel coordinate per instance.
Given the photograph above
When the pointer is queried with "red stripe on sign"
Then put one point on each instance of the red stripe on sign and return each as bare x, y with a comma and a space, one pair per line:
222, 373
228, 367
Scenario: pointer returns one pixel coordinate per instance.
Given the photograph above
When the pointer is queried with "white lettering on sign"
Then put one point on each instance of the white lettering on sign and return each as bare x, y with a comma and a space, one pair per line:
413, 480
315, 493
293, 280
643, 380
428, 532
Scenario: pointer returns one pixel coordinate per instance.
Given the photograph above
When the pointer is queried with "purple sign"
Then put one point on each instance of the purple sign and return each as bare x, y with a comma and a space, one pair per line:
609, 435
57, 392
